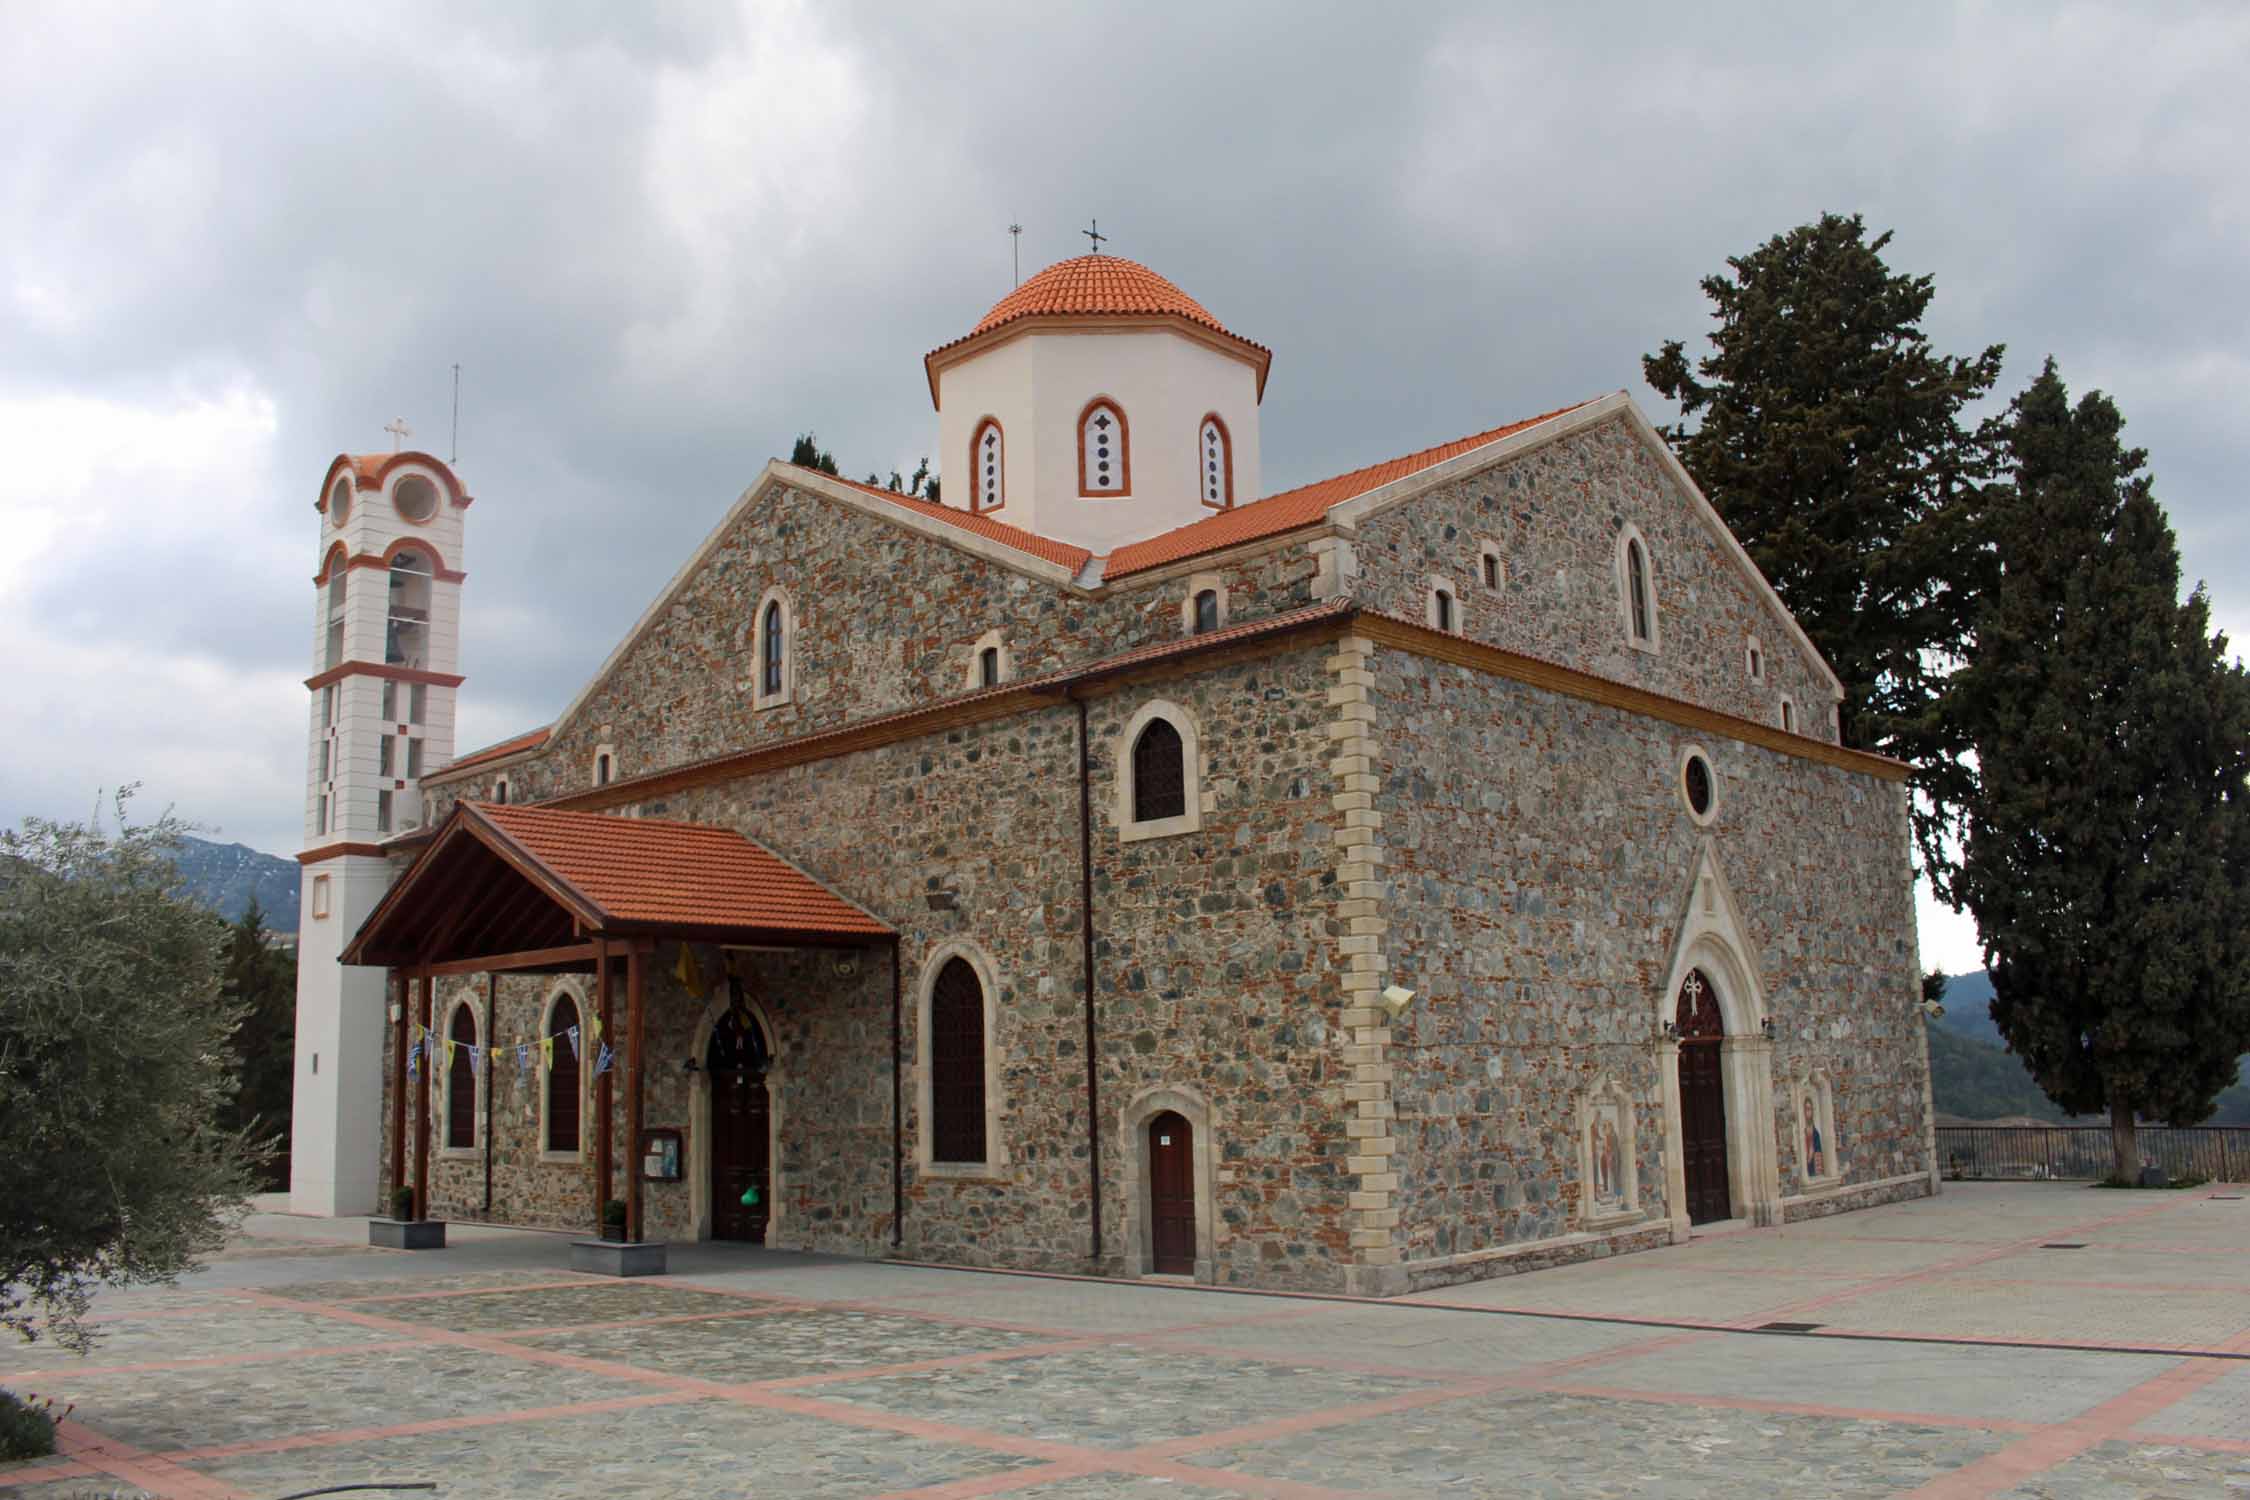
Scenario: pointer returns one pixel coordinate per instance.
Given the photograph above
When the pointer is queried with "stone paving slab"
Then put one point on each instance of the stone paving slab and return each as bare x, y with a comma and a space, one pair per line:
1435, 1341
2220, 1410
2128, 1267
1115, 1397
1665, 1293
2109, 1471
361, 1288
164, 1410
780, 1345
1793, 1248
603, 1301
1123, 1487
693, 1449
1515, 1445
1089, 1306
2001, 1385
218, 1328
1962, 1306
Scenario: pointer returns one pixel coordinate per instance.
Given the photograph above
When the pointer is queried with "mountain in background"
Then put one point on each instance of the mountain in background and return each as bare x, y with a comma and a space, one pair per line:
1973, 1075
224, 877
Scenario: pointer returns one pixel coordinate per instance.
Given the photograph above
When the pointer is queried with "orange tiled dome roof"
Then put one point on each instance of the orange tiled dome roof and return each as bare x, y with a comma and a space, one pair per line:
1099, 286
1095, 284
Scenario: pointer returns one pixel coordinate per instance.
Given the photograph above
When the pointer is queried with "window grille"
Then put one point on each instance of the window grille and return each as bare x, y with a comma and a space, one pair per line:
562, 1078
957, 1044
1159, 773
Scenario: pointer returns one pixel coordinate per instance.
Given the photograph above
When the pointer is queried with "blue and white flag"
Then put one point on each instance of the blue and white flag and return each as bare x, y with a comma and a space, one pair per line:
476, 1058
523, 1057
414, 1059
602, 1062
574, 1052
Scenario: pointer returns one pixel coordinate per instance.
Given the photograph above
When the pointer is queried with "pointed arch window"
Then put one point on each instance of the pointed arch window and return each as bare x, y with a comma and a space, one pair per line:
561, 1137
775, 625
1215, 458
1636, 590
1105, 457
988, 467
461, 1082
957, 1064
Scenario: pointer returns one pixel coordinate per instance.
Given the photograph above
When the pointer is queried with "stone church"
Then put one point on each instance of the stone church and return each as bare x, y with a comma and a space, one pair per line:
1443, 869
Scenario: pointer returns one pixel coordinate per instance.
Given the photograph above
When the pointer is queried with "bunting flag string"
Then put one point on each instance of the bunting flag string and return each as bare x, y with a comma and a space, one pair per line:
414, 1059
575, 1051
476, 1057
523, 1057
594, 1022
688, 972
450, 1044
602, 1062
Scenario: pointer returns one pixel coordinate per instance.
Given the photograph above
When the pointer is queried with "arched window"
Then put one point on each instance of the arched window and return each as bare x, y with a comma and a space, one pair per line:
562, 1077
1495, 570
775, 624
988, 466
1640, 606
461, 1082
602, 766
1754, 660
337, 568
1788, 717
1206, 610
1441, 606
500, 791
1105, 459
1441, 609
1216, 455
988, 667
957, 1043
406, 635
1159, 773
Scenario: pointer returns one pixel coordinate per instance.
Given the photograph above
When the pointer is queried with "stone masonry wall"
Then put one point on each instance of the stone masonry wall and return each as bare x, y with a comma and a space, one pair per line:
1539, 856
1555, 515
884, 618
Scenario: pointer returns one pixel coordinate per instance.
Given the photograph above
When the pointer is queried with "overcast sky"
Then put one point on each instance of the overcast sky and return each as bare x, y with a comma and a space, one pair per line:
661, 240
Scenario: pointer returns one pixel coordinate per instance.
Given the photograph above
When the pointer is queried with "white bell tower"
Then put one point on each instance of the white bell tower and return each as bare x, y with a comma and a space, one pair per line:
385, 667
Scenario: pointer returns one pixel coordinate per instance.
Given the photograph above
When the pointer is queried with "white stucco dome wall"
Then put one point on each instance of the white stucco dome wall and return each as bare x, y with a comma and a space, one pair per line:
1038, 384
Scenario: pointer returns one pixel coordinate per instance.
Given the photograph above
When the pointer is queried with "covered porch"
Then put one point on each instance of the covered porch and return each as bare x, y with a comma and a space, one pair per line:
526, 890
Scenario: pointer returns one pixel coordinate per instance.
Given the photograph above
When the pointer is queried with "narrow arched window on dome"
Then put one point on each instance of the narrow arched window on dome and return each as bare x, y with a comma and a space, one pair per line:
1105, 460
1636, 590
773, 645
1215, 455
988, 468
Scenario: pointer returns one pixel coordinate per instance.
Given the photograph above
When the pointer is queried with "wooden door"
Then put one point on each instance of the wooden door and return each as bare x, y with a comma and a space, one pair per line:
1703, 1102
1171, 1195
1703, 1132
741, 1131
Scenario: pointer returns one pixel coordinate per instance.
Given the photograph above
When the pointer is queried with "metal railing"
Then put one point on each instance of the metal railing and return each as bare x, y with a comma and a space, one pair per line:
2218, 1153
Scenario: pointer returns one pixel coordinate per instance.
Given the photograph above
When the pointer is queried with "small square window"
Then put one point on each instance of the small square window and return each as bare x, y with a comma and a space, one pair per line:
1491, 571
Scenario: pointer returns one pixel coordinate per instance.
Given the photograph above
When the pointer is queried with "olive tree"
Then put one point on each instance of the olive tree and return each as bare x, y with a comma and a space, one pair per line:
116, 1072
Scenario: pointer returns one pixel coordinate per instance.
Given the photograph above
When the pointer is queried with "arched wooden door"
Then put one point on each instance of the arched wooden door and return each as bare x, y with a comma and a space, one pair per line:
1703, 1102
741, 1128
1171, 1195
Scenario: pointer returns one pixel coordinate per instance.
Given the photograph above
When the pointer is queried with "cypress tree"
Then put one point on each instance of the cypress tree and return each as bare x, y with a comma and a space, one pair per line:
1829, 436
2108, 854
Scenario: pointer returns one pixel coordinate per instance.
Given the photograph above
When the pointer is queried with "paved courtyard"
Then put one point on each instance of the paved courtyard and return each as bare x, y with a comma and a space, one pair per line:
2004, 1339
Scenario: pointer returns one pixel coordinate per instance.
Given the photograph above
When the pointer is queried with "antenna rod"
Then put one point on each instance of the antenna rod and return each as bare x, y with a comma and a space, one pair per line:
456, 458
1015, 250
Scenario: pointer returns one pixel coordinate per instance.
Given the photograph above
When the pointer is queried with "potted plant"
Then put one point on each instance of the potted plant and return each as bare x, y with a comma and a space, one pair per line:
402, 1230
613, 1220
614, 1253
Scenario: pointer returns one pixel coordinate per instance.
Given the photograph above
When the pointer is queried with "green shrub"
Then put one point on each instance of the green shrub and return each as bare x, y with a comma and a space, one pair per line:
27, 1425
402, 1203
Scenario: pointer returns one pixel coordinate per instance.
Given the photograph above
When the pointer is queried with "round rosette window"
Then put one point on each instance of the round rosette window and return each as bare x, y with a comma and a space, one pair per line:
1699, 787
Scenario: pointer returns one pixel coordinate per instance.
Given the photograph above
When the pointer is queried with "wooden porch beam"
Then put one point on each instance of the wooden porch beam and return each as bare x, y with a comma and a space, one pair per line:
501, 963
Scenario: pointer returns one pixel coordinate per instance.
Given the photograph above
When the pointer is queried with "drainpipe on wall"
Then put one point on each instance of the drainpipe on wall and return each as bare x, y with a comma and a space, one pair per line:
1086, 936
898, 1123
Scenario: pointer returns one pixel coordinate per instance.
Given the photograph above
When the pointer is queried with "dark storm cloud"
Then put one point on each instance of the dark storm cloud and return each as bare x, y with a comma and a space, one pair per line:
661, 243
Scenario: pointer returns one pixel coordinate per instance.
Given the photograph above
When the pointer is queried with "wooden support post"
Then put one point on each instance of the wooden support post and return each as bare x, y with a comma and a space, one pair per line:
605, 1087
403, 1026
635, 1006
422, 1109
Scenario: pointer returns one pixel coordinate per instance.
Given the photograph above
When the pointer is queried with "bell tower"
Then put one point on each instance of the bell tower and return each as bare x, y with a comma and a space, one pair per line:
385, 668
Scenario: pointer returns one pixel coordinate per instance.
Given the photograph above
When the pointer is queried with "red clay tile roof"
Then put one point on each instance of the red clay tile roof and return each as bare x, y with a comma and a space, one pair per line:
1095, 286
530, 741
657, 873
1069, 556
1303, 506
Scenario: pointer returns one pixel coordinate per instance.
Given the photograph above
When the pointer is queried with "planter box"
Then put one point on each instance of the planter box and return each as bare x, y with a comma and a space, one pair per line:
618, 1257
406, 1234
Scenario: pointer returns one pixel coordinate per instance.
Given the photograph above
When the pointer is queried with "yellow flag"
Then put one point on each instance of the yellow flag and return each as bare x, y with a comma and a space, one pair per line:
449, 1052
547, 1050
594, 1022
688, 972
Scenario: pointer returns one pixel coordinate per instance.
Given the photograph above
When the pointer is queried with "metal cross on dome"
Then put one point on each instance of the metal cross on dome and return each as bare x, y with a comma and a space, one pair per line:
1095, 234
399, 432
